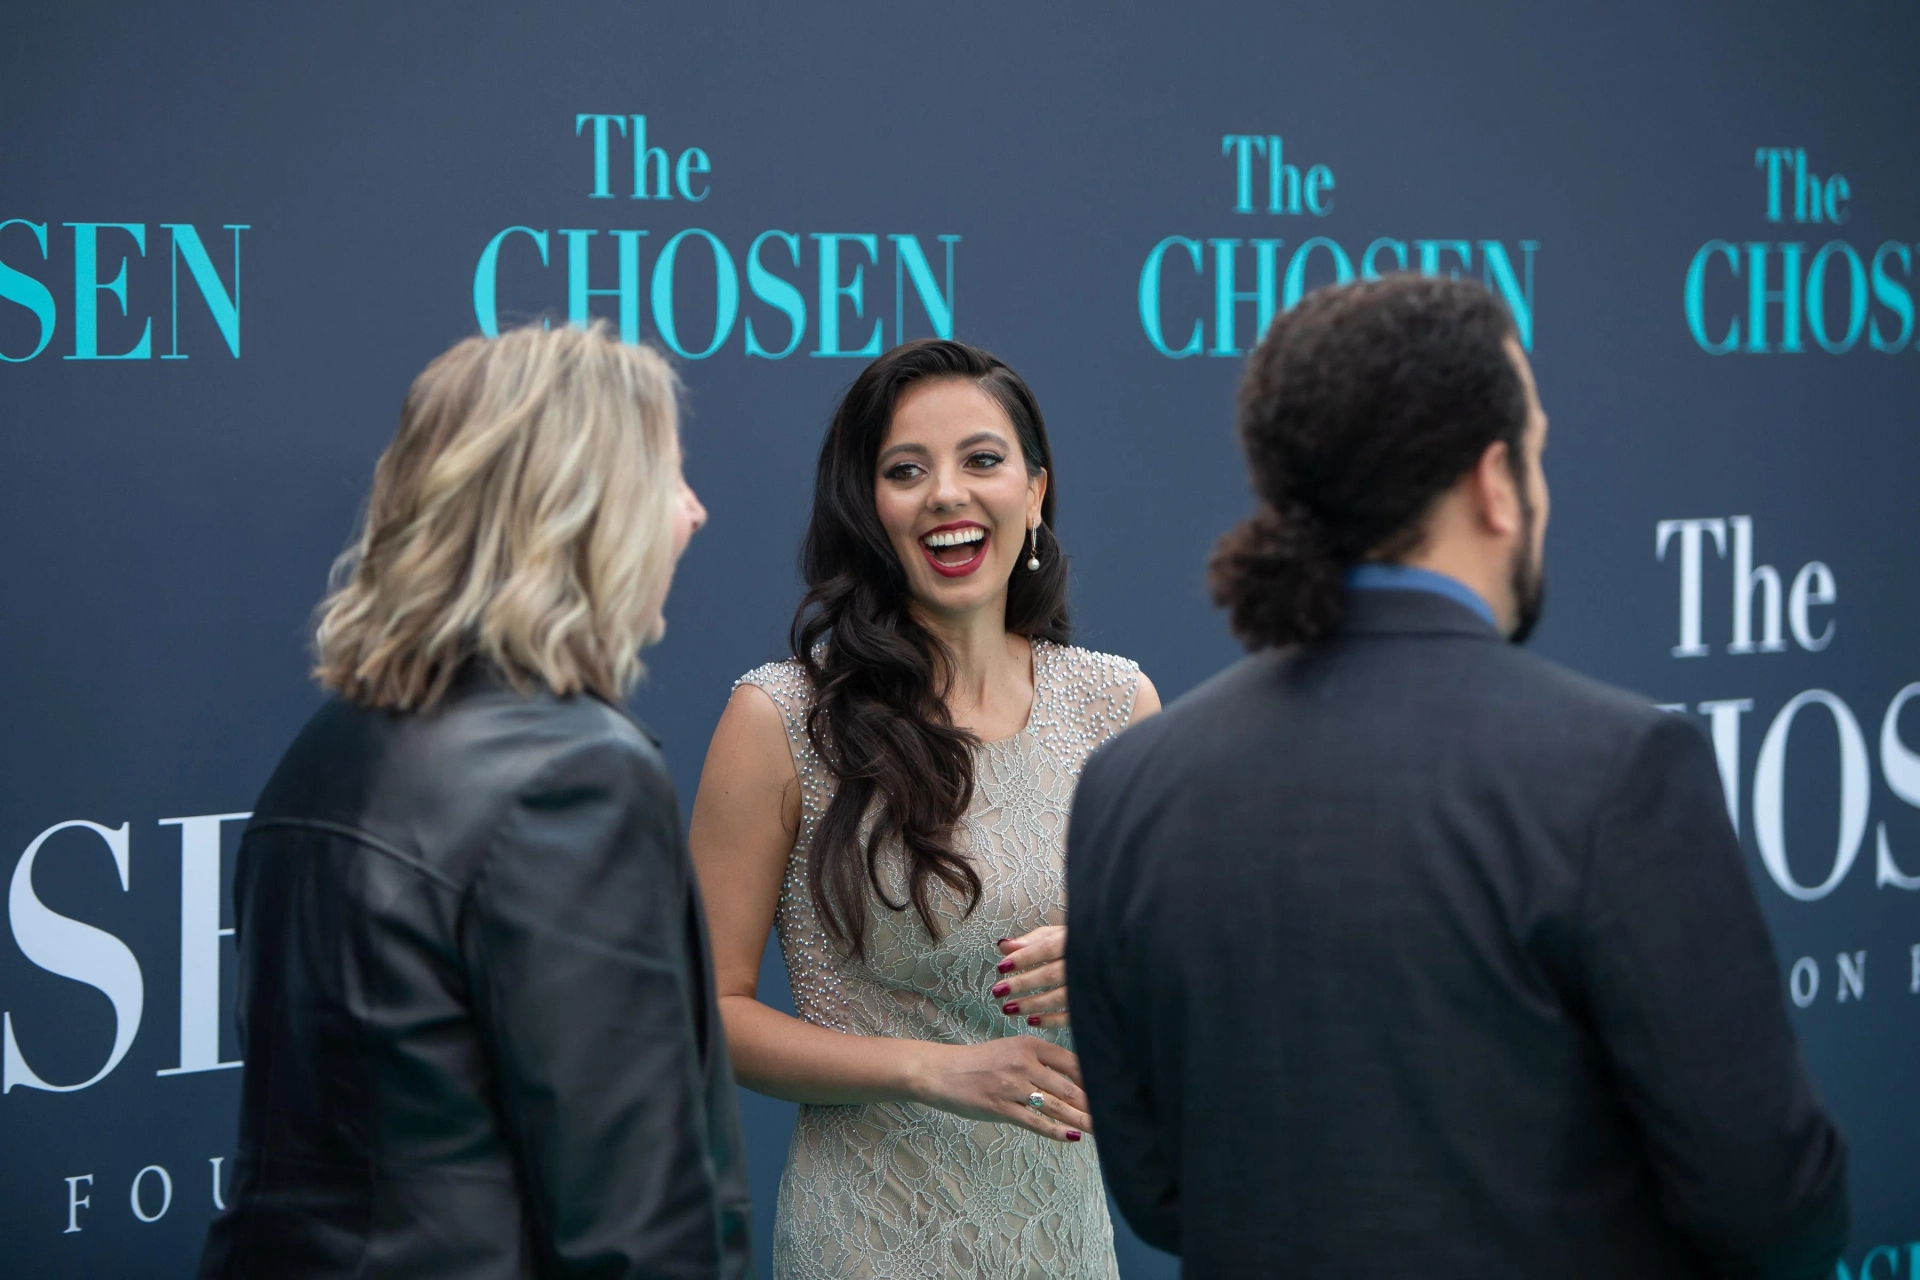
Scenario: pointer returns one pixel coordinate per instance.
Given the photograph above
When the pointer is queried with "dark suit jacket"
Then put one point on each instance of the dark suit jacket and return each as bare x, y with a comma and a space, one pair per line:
1413, 954
476, 1007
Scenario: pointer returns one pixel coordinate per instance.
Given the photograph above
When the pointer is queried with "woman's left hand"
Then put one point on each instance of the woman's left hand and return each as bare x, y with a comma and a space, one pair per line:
1032, 977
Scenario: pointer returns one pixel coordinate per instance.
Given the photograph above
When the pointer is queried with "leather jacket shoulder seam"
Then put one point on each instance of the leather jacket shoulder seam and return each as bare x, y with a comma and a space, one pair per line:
371, 841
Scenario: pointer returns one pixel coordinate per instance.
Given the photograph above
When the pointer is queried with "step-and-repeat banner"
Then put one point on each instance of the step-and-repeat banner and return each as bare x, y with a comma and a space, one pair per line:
230, 235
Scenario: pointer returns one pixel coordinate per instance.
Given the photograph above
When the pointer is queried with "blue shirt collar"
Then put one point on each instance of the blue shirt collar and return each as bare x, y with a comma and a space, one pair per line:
1404, 577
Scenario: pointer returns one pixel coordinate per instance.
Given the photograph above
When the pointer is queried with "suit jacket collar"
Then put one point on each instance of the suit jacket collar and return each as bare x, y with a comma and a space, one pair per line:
1378, 612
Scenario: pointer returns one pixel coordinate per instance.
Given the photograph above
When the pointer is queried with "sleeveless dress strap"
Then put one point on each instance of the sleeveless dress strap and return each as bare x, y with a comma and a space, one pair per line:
792, 692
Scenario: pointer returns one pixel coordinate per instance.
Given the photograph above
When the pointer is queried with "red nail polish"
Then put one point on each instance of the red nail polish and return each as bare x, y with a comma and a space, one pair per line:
1009, 1009
1034, 1021
1073, 1135
1001, 942
1005, 966
1001, 988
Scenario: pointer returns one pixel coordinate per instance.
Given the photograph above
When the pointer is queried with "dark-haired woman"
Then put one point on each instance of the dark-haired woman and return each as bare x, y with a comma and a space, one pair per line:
895, 798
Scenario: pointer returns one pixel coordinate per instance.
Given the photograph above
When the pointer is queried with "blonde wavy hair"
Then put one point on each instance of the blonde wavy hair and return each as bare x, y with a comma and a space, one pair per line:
523, 514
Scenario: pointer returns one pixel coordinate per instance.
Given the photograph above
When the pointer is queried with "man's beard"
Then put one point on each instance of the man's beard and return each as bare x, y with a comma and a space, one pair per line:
1527, 576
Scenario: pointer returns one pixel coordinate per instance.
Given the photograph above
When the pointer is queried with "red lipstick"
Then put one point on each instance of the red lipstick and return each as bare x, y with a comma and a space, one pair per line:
958, 569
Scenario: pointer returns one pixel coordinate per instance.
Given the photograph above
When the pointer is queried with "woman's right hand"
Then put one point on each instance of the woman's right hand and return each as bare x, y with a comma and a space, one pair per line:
993, 1080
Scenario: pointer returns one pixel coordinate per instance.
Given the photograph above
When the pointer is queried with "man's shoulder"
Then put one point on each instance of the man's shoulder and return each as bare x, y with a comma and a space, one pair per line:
1558, 691
1547, 729
1196, 715
1470, 688
1252, 680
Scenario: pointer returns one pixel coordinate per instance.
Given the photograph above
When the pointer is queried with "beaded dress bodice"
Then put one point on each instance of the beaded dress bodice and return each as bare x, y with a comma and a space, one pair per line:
898, 1191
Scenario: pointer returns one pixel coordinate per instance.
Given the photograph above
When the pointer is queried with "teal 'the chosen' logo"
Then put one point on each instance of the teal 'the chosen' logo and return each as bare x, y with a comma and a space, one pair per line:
110, 321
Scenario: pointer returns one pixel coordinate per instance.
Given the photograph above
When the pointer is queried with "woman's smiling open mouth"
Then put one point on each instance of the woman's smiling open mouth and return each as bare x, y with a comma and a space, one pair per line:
955, 550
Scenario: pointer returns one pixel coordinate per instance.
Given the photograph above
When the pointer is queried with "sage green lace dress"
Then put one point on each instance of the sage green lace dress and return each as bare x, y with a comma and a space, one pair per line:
898, 1191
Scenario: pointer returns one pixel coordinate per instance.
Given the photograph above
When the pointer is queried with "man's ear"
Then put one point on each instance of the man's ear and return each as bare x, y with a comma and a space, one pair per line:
1496, 496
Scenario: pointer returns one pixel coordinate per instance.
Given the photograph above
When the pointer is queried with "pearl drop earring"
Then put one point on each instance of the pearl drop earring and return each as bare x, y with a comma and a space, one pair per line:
1033, 551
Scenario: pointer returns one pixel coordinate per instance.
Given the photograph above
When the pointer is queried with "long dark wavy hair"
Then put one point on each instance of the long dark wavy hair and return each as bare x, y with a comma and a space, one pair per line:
879, 720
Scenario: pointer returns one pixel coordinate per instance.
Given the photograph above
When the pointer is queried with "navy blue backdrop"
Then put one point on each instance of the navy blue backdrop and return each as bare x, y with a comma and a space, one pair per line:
1705, 216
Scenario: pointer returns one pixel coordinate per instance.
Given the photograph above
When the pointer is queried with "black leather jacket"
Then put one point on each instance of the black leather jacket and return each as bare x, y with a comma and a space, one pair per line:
477, 1007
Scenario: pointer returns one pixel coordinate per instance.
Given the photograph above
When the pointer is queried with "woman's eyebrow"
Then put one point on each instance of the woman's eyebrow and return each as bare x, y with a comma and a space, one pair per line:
982, 437
905, 447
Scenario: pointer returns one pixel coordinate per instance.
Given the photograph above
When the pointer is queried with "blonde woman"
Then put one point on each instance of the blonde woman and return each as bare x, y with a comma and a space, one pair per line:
476, 1008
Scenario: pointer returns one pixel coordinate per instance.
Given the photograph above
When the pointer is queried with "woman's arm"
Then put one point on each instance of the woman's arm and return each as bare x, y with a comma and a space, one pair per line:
1146, 700
745, 819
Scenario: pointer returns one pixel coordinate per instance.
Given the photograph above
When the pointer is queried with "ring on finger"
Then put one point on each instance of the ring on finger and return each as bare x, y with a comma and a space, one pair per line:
1037, 1100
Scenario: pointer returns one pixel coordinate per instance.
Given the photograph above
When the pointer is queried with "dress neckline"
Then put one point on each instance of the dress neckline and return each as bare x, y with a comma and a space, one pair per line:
1035, 646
